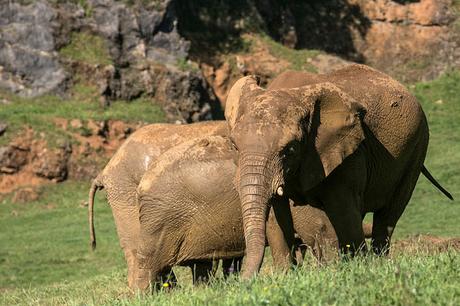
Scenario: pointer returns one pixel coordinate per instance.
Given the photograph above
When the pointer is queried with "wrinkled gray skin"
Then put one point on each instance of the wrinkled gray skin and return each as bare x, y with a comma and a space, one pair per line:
123, 172
352, 141
190, 212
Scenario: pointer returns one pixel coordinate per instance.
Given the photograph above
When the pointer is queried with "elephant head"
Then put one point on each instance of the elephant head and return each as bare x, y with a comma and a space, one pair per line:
288, 141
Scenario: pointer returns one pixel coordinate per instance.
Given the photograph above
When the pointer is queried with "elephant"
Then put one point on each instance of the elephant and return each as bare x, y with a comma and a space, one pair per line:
190, 213
351, 141
123, 172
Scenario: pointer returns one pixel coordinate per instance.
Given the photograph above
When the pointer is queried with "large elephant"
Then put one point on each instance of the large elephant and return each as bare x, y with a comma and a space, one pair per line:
123, 172
352, 141
190, 212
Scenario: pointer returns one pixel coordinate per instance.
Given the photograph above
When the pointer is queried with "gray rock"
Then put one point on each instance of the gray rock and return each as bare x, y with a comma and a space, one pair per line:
143, 41
37, 37
52, 164
168, 48
3, 128
12, 159
186, 97
27, 49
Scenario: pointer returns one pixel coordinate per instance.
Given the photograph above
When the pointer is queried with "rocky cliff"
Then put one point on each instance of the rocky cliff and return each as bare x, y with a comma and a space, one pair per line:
183, 56
138, 52
155, 48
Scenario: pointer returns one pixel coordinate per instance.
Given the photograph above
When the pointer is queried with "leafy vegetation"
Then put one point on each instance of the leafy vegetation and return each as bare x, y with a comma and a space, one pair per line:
87, 48
46, 260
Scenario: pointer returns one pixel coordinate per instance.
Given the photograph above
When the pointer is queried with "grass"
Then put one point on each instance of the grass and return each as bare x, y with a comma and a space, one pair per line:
45, 257
46, 240
39, 113
297, 58
405, 280
87, 48
185, 65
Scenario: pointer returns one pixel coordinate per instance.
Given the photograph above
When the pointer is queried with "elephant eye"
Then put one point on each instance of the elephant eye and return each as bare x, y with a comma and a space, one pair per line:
290, 150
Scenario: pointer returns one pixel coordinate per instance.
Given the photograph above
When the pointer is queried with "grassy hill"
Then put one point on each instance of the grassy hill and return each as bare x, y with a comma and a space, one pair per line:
45, 257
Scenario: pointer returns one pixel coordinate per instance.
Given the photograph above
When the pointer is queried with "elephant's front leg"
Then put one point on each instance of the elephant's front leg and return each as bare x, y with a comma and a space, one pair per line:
127, 223
154, 258
280, 234
341, 206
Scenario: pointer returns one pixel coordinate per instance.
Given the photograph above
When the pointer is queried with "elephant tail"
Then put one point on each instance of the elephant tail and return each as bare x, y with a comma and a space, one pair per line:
433, 181
95, 186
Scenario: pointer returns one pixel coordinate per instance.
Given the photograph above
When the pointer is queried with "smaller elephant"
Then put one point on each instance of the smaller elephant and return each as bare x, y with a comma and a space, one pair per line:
122, 174
190, 213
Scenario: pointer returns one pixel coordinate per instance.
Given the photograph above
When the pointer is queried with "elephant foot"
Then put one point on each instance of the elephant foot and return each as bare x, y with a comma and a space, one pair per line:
131, 261
142, 281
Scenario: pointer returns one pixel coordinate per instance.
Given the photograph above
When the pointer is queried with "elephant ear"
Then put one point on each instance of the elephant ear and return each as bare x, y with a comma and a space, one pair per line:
335, 130
233, 105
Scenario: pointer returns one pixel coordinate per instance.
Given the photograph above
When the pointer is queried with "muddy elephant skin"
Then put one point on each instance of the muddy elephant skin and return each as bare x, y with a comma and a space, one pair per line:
123, 172
190, 212
352, 141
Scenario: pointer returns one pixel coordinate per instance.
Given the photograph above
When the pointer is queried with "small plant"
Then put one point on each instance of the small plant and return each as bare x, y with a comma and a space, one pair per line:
88, 48
186, 65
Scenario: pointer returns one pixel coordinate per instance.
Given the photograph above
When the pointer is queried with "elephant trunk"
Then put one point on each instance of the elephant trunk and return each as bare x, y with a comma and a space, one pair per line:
254, 182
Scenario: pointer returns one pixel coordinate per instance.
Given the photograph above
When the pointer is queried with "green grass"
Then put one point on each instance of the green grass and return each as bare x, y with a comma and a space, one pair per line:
87, 48
406, 280
45, 257
39, 113
46, 240
297, 58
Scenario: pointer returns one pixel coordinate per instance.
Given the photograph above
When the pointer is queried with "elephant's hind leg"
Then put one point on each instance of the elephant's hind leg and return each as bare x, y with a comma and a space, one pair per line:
156, 255
125, 213
384, 220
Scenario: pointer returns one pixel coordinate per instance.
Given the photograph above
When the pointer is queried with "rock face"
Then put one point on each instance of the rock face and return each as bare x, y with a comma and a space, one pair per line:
12, 158
3, 127
28, 60
31, 161
412, 40
52, 164
146, 54
150, 45
185, 56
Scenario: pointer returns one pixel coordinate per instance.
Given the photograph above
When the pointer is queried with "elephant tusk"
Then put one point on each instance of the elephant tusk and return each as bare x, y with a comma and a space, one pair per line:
279, 191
